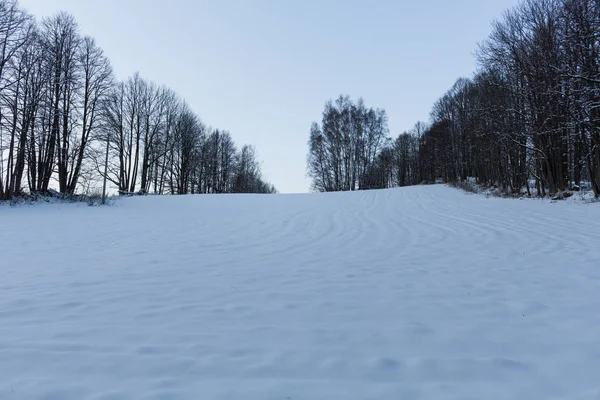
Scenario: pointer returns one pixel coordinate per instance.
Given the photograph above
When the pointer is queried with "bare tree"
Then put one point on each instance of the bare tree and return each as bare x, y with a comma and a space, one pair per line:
97, 82
188, 133
16, 64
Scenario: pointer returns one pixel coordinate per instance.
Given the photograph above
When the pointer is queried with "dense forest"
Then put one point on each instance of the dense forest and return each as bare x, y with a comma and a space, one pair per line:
67, 124
528, 121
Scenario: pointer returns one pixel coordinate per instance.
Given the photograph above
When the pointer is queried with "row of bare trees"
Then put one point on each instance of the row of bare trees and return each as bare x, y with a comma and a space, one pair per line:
66, 123
532, 111
156, 144
527, 121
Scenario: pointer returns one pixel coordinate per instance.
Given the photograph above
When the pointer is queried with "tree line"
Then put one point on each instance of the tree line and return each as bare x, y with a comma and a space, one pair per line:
529, 118
67, 124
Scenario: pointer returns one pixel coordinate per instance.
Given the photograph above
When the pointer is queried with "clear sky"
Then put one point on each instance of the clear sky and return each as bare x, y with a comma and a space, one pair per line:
263, 69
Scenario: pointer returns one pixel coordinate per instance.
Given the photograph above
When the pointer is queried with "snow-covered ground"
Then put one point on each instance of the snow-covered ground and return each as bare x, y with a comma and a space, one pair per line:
415, 293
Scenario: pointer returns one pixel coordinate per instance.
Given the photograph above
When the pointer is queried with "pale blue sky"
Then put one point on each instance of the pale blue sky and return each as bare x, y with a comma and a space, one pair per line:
263, 69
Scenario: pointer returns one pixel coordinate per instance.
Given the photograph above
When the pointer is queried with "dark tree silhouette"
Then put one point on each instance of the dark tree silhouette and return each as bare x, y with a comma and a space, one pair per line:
530, 114
68, 124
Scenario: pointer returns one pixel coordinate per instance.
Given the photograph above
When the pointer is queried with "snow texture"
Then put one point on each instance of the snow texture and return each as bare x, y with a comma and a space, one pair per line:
415, 293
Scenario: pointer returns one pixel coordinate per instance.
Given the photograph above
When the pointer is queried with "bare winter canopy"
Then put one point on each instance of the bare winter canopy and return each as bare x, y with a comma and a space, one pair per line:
345, 146
66, 122
531, 113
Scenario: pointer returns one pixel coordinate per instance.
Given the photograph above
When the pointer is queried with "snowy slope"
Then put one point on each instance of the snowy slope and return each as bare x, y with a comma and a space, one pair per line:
415, 293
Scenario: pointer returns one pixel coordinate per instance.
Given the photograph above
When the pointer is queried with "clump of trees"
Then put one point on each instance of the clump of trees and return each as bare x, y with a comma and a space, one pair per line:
531, 112
66, 122
345, 146
351, 149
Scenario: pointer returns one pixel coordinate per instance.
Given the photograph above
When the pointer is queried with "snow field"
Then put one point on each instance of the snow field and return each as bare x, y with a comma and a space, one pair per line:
415, 293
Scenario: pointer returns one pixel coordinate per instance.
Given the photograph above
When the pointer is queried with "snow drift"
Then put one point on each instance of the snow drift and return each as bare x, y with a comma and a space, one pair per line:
415, 293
